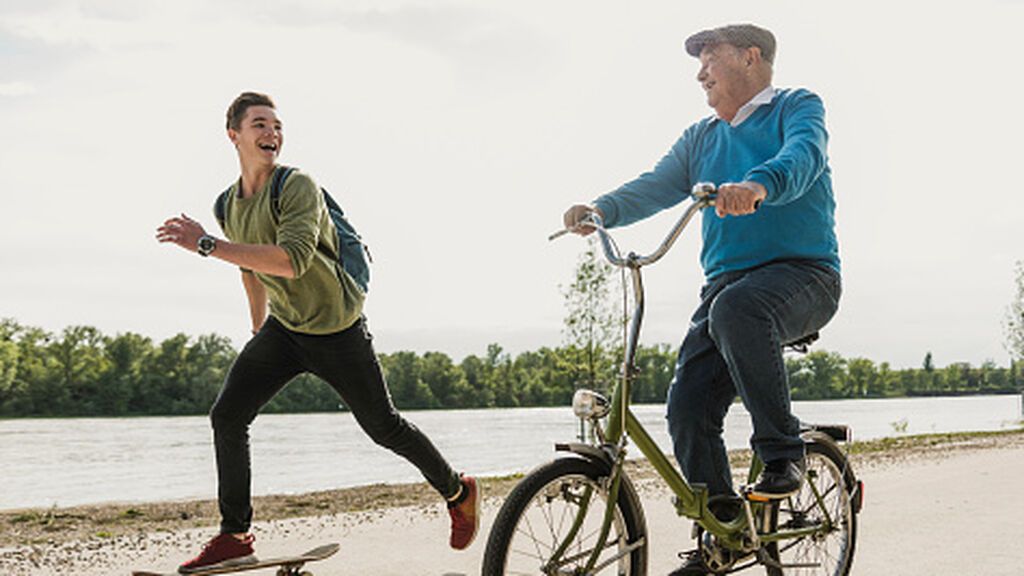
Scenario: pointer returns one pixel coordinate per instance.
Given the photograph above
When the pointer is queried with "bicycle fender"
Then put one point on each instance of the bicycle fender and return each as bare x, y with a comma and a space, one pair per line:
595, 454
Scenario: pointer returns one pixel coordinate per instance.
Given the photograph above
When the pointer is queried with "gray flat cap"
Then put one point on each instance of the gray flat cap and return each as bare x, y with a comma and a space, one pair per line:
738, 35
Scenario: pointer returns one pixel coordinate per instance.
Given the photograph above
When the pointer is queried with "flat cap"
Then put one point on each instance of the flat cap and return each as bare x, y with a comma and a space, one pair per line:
738, 35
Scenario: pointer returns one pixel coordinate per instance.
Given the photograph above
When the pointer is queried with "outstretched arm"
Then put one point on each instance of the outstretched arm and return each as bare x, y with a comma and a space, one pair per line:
264, 258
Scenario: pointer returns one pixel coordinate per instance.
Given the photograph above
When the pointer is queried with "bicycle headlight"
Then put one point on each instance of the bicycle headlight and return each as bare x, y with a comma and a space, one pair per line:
587, 404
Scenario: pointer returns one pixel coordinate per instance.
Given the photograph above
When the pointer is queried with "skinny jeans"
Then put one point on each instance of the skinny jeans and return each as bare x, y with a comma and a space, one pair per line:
347, 362
734, 346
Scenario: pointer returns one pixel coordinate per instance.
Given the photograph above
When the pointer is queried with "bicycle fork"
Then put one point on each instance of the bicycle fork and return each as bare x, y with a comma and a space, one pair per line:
592, 566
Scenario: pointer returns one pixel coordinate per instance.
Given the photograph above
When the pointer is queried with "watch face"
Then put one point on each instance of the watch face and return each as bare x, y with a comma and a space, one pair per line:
206, 245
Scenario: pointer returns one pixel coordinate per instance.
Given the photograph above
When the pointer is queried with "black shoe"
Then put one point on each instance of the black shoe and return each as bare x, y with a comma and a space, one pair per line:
692, 565
780, 478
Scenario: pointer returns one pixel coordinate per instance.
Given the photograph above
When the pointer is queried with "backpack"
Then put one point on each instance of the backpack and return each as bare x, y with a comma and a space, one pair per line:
353, 255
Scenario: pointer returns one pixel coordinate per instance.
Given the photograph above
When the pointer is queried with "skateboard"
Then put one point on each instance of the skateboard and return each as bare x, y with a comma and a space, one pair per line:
286, 565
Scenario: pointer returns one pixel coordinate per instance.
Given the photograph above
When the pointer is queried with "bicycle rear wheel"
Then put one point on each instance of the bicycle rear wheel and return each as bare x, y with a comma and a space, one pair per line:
539, 516
830, 551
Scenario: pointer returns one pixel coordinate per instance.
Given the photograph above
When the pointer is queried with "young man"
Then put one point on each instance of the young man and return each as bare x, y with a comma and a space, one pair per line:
288, 260
770, 257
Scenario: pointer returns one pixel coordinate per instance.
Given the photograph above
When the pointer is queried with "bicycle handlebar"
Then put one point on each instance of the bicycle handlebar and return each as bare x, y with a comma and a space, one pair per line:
703, 196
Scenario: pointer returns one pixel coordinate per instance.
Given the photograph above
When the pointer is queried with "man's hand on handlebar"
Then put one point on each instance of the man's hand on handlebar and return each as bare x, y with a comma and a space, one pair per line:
739, 198
577, 219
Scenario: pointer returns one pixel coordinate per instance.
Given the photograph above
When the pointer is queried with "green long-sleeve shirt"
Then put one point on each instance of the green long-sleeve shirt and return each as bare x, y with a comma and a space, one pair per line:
321, 299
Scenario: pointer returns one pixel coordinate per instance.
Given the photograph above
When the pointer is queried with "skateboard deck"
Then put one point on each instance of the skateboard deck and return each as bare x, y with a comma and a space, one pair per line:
287, 565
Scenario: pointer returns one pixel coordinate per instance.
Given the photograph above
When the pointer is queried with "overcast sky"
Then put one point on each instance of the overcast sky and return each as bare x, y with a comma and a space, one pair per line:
456, 132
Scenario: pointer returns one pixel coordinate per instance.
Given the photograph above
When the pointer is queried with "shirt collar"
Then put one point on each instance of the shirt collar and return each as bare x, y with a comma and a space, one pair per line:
760, 99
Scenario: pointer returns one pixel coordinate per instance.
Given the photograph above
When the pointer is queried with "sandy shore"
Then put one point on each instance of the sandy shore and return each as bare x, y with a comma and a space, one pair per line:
929, 487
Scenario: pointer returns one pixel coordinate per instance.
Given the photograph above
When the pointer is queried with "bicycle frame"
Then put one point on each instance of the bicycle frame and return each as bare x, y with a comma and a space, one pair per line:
691, 500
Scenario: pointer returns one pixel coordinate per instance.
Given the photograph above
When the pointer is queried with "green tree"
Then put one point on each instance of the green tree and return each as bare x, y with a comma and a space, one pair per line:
404, 373
928, 378
591, 324
80, 364
501, 377
165, 385
861, 377
1013, 323
8, 362
656, 367
37, 376
477, 374
819, 375
305, 393
206, 365
447, 382
126, 355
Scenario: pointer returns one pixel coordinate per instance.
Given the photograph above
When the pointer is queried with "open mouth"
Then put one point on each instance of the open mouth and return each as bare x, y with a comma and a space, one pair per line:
268, 147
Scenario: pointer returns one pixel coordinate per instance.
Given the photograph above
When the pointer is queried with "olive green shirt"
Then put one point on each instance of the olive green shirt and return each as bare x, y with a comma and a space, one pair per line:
322, 298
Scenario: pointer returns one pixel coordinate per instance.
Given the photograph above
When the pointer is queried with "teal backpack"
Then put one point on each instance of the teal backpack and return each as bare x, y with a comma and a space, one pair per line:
353, 255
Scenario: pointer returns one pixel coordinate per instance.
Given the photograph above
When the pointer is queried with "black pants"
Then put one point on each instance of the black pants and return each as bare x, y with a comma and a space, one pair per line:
347, 362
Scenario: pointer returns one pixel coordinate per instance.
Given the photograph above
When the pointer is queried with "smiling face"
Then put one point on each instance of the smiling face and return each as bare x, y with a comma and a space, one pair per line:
730, 77
258, 137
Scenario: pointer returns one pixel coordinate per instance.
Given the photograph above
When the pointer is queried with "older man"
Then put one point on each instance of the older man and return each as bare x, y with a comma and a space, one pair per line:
770, 256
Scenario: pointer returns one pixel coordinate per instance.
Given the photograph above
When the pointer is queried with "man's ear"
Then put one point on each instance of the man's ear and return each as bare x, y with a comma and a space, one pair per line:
233, 136
753, 56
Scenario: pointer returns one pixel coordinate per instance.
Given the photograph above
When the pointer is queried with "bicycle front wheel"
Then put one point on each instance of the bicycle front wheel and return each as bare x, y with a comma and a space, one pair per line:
823, 501
551, 523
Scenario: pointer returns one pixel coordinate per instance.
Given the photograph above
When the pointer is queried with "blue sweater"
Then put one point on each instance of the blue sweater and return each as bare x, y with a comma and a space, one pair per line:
782, 146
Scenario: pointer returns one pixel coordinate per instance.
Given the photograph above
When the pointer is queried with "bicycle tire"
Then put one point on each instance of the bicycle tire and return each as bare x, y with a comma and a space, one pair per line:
830, 472
539, 512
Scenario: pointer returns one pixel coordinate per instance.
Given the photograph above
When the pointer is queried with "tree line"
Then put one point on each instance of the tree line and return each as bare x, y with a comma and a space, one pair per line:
82, 372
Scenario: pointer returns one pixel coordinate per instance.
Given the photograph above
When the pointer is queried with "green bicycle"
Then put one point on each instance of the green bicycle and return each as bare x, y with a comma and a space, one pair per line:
580, 513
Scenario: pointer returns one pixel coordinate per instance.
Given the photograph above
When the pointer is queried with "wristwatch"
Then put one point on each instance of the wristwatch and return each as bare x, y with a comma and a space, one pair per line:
206, 245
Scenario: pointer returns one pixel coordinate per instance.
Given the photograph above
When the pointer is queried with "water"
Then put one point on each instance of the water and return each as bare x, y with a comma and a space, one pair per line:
67, 462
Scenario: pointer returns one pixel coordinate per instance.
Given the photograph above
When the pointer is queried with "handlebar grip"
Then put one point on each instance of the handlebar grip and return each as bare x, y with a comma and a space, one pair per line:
558, 234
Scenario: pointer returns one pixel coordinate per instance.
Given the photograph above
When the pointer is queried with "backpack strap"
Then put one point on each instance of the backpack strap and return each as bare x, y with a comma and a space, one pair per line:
281, 174
220, 207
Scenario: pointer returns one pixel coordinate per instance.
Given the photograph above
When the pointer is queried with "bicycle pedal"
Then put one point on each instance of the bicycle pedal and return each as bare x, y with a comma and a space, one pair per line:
762, 498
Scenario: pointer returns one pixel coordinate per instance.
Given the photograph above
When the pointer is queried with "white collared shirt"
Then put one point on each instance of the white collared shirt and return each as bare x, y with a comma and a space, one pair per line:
760, 99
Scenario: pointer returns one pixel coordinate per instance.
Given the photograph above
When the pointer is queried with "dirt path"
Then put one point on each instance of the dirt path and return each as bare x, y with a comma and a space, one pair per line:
921, 496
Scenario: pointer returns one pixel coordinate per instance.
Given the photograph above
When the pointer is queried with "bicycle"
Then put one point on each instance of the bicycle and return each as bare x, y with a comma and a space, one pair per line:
580, 513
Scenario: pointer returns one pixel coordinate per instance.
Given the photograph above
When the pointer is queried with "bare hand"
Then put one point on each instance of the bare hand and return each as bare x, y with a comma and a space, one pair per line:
738, 199
181, 230
577, 219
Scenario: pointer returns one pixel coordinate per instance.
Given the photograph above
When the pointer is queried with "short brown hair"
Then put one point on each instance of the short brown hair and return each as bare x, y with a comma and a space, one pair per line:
245, 100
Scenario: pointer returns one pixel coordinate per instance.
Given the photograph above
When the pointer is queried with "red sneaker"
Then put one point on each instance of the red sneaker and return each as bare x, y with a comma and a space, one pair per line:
465, 515
223, 551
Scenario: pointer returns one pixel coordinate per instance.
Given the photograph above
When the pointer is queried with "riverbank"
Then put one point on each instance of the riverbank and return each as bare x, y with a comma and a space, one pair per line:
80, 540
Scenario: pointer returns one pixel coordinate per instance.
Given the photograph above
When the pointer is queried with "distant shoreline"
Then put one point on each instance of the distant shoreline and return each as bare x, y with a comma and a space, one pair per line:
342, 410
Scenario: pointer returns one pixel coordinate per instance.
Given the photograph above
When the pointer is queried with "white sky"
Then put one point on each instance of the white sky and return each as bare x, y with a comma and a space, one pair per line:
456, 132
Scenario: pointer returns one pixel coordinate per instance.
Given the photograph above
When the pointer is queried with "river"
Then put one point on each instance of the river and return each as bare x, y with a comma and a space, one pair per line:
66, 462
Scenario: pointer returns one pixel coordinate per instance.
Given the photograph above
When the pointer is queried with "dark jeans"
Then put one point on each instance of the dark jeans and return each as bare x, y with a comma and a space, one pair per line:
734, 345
347, 362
